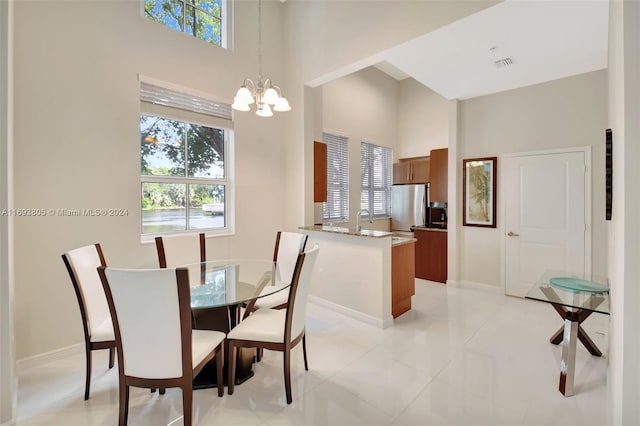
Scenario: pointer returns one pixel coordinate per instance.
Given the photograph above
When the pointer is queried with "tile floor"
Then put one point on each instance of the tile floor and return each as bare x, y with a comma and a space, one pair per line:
460, 357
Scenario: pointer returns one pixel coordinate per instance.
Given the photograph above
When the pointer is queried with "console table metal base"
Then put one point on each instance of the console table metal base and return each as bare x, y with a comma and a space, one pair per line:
569, 335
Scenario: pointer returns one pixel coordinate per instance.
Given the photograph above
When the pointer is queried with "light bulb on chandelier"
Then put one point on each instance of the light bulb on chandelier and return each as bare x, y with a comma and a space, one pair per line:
264, 93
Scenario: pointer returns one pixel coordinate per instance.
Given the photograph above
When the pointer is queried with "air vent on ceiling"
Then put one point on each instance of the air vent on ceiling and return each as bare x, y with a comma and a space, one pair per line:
501, 63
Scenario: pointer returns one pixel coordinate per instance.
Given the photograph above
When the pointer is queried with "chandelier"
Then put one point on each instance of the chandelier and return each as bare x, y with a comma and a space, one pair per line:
264, 93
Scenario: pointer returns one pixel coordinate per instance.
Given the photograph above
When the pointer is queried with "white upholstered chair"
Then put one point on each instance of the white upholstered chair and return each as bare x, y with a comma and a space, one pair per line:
179, 250
288, 246
156, 346
278, 330
82, 264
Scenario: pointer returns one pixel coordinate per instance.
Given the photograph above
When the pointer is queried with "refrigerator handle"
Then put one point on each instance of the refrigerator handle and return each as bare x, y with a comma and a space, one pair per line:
423, 206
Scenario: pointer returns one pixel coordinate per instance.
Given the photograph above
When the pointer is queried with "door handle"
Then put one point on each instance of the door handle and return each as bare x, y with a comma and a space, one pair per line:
513, 234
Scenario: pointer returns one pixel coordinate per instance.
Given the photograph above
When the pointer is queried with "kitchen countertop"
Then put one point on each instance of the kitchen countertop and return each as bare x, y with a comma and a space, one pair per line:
424, 228
370, 233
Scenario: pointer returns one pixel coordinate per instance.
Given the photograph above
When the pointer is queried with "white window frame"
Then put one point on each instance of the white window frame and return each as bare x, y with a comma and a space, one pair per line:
226, 18
207, 111
337, 150
366, 155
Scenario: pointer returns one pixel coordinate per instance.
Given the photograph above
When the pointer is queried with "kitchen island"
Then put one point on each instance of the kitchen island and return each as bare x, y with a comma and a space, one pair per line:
368, 274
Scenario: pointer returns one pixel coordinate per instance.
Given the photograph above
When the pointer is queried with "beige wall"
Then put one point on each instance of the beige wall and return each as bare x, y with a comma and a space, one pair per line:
423, 121
77, 136
76, 127
570, 112
361, 106
624, 228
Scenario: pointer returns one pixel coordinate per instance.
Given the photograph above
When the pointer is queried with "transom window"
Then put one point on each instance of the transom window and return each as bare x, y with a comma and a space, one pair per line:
203, 19
336, 208
376, 180
185, 169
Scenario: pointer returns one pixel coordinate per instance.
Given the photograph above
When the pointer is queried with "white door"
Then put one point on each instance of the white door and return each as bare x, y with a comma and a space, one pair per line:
544, 214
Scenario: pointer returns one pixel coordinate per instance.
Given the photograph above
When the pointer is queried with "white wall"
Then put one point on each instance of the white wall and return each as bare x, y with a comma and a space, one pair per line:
563, 113
423, 120
8, 381
624, 229
77, 143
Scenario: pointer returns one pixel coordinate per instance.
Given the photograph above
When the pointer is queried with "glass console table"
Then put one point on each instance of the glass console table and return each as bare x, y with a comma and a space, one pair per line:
574, 299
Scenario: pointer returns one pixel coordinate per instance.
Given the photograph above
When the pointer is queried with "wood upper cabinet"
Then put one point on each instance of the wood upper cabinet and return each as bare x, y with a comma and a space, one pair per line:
319, 172
439, 176
411, 171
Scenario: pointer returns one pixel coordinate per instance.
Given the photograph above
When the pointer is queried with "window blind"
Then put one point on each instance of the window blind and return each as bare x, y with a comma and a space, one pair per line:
181, 105
375, 174
336, 208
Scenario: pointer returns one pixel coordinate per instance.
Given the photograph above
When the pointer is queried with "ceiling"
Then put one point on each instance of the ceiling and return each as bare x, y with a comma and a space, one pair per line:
543, 39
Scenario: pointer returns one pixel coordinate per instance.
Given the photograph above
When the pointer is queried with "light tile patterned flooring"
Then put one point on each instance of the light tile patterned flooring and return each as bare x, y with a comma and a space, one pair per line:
460, 357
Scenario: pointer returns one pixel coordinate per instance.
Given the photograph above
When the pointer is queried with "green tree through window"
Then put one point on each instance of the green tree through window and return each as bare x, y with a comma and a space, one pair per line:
200, 18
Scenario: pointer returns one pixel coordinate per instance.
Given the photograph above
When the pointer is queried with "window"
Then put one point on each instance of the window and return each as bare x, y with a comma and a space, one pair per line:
336, 208
185, 167
204, 19
375, 176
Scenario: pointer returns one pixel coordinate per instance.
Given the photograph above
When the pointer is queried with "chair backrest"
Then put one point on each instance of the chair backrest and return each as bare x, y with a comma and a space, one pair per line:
178, 250
81, 264
152, 320
288, 246
299, 292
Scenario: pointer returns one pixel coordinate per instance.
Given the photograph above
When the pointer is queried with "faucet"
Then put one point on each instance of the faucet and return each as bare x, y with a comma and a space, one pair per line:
358, 226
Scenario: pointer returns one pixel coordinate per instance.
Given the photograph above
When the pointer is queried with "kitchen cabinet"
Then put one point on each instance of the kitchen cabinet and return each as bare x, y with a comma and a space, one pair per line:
431, 254
319, 172
402, 278
411, 171
438, 175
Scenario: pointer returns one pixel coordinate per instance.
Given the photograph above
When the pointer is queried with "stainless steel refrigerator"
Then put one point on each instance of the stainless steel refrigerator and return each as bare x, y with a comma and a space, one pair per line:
409, 206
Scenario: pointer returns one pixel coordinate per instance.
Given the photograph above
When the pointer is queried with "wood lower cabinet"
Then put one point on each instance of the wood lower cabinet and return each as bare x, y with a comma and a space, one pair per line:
402, 278
431, 255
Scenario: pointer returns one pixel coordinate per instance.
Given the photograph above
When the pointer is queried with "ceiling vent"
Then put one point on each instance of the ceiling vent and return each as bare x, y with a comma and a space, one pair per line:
501, 63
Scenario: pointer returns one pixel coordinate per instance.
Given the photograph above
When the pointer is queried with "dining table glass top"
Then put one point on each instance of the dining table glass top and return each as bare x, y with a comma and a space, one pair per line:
232, 282
572, 290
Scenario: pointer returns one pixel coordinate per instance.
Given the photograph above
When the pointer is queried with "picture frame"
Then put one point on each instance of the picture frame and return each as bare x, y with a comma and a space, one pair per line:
608, 173
479, 190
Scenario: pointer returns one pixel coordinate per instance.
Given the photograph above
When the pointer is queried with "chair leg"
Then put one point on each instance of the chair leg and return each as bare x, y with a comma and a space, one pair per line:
87, 383
219, 373
124, 403
304, 351
287, 374
231, 380
187, 404
112, 356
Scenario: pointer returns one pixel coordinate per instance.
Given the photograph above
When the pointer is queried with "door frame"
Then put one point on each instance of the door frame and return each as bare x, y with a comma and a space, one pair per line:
586, 150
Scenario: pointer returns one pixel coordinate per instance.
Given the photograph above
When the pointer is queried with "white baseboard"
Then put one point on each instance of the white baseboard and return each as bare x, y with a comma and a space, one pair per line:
376, 322
480, 286
24, 364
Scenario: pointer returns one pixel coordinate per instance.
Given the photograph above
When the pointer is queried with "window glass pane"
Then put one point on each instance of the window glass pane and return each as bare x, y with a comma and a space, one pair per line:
376, 170
206, 206
211, 7
163, 207
167, 12
206, 151
202, 25
161, 146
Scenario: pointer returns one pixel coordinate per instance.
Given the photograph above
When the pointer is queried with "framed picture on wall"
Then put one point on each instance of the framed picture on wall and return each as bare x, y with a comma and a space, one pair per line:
609, 173
479, 185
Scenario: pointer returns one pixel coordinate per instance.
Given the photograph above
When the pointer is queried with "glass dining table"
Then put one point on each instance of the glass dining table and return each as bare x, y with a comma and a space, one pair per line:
218, 289
574, 298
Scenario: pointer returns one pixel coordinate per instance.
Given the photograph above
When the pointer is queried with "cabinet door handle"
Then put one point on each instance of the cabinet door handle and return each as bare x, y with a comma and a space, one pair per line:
513, 234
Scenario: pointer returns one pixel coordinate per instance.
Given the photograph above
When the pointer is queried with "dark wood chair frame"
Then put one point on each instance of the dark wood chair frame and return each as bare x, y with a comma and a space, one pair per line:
89, 346
185, 382
162, 259
284, 346
250, 307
